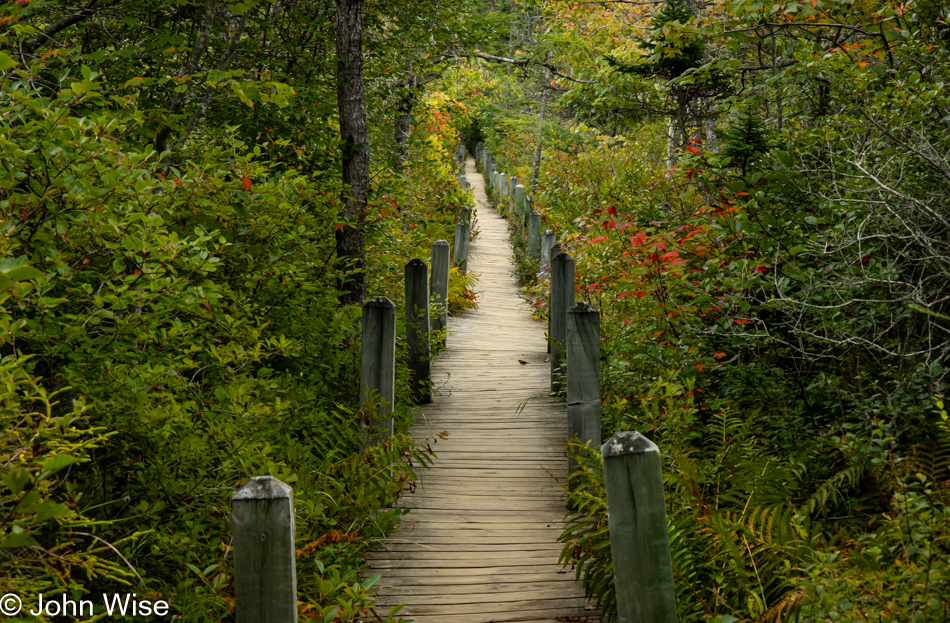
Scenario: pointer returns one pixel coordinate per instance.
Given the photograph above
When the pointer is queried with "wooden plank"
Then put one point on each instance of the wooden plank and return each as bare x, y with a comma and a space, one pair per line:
562, 605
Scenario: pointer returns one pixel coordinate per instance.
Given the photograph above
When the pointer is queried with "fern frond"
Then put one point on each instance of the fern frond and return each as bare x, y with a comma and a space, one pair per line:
786, 606
831, 489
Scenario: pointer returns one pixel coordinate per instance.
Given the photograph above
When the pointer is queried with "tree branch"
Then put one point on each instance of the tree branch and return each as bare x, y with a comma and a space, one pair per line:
52, 30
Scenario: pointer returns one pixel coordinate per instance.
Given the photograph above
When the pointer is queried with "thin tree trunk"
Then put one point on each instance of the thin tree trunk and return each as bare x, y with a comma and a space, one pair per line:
197, 51
401, 130
222, 65
402, 124
537, 149
355, 137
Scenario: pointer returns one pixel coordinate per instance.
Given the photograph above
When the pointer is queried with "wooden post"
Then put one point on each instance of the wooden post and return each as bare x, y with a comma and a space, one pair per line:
639, 536
555, 251
561, 300
460, 258
583, 377
547, 244
265, 564
440, 288
527, 207
512, 184
534, 233
519, 202
378, 362
418, 351
502, 192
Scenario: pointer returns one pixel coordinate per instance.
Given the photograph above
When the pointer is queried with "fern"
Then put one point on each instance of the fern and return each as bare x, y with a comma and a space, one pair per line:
587, 535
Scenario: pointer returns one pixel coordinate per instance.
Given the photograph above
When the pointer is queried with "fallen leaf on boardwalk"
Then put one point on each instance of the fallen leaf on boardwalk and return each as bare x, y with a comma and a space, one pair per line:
523, 362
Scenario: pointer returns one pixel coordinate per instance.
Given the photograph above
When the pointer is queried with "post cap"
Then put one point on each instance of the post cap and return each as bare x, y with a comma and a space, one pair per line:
379, 301
627, 442
440, 243
582, 308
263, 488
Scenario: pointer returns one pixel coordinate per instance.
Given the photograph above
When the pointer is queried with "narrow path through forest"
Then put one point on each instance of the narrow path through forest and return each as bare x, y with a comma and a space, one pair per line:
480, 543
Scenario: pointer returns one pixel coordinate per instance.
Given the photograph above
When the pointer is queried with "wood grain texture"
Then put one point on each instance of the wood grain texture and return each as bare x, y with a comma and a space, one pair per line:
480, 541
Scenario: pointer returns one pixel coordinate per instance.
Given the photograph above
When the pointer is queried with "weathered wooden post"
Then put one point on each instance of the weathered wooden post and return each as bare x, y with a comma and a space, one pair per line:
265, 564
519, 202
527, 207
583, 377
561, 300
462, 231
440, 288
639, 536
502, 192
547, 244
418, 351
512, 184
534, 233
378, 362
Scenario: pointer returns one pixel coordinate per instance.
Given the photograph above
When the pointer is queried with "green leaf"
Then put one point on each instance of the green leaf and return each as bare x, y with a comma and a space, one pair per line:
6, 62
58, 462
23, 273
16, 479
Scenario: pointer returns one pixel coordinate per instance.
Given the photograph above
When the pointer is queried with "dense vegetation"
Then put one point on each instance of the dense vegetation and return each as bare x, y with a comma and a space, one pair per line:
757, 196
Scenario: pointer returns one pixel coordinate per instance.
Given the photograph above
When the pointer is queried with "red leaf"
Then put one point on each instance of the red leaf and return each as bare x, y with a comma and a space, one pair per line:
612, 210
246, 183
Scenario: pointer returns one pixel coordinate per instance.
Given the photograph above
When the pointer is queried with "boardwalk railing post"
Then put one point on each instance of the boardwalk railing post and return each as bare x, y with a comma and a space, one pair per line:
583, 377
502, 192
520, 203
547, 244
440, 288
512, 185
534, 233
418, 351
639, 537
561, 300
378, 362
462, 230
265, 571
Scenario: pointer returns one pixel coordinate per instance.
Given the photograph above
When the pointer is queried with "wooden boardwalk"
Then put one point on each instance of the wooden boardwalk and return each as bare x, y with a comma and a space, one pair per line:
480, 543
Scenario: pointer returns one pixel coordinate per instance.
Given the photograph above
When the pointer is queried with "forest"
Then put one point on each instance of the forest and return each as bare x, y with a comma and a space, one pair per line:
196, 197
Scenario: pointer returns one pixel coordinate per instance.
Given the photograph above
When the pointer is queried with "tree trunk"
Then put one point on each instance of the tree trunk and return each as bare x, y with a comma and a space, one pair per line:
402, 126
354, 134
537, 149
197, 51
